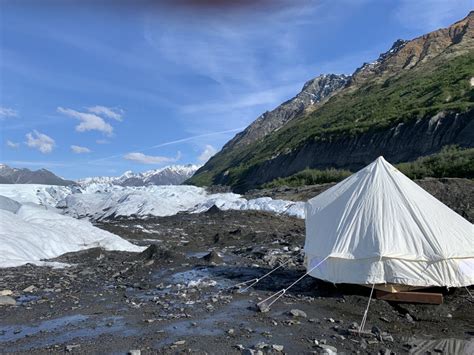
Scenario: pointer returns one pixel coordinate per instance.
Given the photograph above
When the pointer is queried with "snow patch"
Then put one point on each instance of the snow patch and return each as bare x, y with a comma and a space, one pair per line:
32, 233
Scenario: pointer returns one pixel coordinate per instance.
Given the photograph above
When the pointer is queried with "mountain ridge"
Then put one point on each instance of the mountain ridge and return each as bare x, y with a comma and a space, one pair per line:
10, 175
422, 88
168, 175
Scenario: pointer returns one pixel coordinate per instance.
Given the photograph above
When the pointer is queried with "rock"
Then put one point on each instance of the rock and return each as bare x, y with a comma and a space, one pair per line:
327, 349
155, 252
298, 313
213, 210
212, 257
263, 308
7, 301
386, 320
409, 318
6, 292
354, 325
231, 331
261, 345
71, 347
179, 342
31, 288
376, 330
134, 352
386, 337
277, 347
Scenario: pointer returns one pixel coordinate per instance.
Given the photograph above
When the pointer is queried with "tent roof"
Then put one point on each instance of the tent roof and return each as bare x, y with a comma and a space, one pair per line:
379, 213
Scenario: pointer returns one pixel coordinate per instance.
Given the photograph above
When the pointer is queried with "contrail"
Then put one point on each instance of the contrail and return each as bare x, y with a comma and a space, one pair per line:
170, 143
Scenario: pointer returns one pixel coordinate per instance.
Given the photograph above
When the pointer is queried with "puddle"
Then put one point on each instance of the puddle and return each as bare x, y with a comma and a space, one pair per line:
444, 346
63, 330
211, 324
200, 276
14, 332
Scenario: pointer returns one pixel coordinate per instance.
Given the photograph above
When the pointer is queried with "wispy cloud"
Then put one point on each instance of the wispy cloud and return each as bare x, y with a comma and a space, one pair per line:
80, 150
7, 112
429, 15
264, 97
102, 141
89, 121
151, 159
13, 145
207, 153
115, 113
177, 141
40, 141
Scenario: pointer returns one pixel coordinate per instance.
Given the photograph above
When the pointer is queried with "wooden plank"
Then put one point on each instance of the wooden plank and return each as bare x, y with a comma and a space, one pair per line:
410, 297
396, 287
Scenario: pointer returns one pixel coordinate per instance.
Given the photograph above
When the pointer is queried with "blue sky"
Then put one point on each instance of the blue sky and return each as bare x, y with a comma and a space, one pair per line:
93, 89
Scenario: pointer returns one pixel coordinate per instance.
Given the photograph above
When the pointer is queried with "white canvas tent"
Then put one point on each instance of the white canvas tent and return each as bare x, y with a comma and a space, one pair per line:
377, 226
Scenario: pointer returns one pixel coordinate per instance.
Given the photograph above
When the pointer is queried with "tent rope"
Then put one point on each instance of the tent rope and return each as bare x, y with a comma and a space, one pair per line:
366, 312
364, 318
470, 294
283, 291
258, 279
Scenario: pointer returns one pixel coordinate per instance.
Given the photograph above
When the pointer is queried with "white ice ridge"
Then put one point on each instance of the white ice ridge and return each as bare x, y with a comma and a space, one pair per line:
101, 201
31, 233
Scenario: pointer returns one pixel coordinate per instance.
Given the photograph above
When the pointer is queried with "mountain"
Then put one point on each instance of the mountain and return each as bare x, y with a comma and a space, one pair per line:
314, 92
412, 101
170, 175
10, 175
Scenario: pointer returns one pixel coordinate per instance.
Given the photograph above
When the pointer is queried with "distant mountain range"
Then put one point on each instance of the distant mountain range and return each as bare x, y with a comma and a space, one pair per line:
170, 175
10, 175
415, 99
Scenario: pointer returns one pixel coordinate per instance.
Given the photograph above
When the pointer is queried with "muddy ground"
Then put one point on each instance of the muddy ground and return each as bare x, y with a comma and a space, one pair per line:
173, 299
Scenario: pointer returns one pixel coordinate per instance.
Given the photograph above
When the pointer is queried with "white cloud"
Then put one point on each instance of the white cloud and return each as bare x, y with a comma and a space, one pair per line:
12, 144
150, 159
102, 141
79, 150
6, 112
40, 141
207, 153
89, 121
116, 114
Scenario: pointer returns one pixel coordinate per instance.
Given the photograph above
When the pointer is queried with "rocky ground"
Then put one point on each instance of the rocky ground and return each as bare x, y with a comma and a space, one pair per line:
178, 297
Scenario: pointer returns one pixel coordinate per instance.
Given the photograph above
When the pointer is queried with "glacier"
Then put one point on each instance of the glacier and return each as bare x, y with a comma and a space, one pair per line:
103, 201
39, 222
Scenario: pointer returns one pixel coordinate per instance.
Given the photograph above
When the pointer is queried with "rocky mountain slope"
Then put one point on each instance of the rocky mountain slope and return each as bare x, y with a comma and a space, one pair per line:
412, 101
10, 175
314, 92
169, 175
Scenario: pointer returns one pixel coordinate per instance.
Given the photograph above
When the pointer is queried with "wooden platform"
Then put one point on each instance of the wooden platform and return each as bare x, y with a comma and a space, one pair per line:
410, 297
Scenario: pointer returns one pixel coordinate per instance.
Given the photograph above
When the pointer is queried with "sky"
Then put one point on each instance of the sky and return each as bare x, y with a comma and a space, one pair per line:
94, 88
